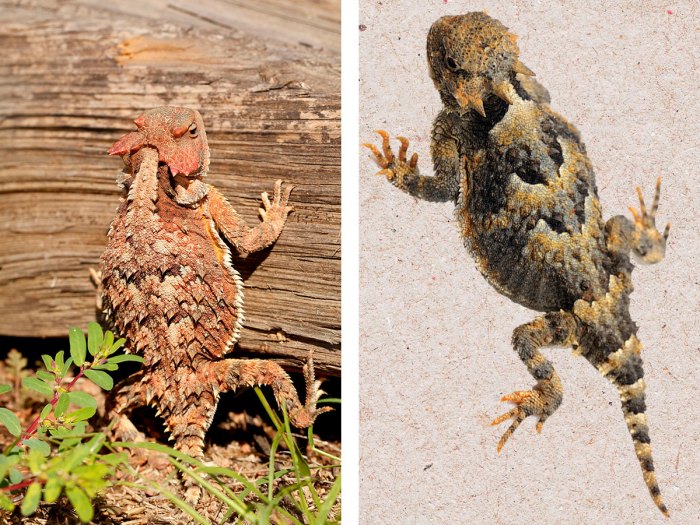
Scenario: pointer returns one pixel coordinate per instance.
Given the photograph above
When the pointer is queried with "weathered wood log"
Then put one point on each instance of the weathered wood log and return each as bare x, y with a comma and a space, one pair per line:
74, 75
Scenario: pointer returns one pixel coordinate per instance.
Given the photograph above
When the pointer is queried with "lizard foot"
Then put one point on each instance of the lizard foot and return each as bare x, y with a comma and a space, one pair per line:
279, 208
193, 492
395, 169
541, 401
648, 244
303, 417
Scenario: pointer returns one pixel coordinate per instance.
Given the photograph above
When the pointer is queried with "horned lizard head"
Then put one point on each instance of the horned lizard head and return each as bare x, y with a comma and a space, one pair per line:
176, 133
472, 57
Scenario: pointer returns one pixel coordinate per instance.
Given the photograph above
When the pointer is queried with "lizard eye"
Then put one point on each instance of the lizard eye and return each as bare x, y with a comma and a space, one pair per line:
193, 130
451, 63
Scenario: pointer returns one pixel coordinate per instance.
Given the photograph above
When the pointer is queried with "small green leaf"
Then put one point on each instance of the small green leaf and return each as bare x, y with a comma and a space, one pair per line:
59, 360
94, 338
300, 463
5, 388
10, 421
35, 460
37, 385
106, 366
101, 379
58, 432
15, 476
47, 361
107, 342
45, 411
79, 429
81, 503
82, 399
77, 345
14, 457
45, 376
82, 451
6, 502
62, 404
91, 477
117, 345
31, 499
4, 467
38, 445
66, 366
82, 414
122, 358
67, 444
52, 489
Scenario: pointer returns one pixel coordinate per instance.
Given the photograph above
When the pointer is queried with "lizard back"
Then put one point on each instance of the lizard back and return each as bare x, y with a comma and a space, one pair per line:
184, 294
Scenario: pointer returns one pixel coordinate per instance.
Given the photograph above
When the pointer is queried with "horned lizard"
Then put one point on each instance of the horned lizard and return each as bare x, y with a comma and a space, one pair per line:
529, 213
168, 285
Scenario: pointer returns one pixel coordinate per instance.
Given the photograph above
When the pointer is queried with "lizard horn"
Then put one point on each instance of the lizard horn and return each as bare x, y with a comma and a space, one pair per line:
127, 144
521, 68
504, 91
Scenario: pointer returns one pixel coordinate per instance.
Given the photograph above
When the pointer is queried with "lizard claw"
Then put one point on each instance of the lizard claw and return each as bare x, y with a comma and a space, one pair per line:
402, 152
304, 416
528, 403
394, 168
280, 202
648, 243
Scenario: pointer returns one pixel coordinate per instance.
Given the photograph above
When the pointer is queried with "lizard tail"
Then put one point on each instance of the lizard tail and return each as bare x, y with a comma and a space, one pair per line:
633, 407
624, 369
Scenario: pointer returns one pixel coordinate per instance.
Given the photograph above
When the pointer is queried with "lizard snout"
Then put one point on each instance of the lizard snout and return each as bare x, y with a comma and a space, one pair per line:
128, 144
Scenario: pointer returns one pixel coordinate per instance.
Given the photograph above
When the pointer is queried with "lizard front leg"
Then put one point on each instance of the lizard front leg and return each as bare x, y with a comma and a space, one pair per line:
448, 166
640, 235
273, 214
552, 329
96, 278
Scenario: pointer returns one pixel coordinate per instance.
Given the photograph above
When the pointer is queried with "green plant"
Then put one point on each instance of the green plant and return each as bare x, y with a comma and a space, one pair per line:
282, 496
55, 453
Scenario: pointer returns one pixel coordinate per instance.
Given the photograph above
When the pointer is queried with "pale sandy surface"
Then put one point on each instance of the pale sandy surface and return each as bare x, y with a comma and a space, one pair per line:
435, 338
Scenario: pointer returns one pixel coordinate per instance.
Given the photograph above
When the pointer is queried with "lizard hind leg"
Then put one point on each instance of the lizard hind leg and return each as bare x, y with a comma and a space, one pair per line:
188, 406
624, 369
552, 329
231, 374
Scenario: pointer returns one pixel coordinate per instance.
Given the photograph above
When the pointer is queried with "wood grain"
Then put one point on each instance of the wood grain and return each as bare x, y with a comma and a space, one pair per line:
73, 76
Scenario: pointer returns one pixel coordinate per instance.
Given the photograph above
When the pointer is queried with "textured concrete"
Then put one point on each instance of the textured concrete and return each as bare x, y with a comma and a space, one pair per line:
435, 337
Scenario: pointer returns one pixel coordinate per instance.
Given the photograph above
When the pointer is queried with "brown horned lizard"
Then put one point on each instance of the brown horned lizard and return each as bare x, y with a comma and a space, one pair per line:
529, 213
168, 286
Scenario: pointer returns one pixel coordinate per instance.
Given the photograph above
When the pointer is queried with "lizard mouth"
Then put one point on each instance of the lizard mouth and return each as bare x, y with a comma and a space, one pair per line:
180, 179
186, 189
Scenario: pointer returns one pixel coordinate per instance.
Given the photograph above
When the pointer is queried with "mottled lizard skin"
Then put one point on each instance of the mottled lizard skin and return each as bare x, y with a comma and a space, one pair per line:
168, 285
529, 213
